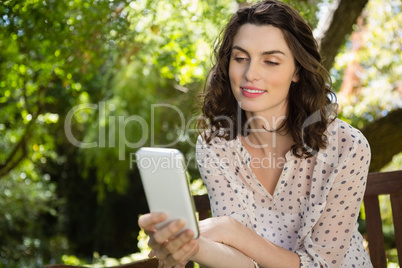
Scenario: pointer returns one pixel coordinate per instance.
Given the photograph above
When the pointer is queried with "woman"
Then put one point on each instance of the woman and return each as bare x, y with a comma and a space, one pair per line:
285, 177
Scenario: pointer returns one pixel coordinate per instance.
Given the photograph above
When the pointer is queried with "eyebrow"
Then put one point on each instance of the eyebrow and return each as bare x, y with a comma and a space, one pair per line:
270, 52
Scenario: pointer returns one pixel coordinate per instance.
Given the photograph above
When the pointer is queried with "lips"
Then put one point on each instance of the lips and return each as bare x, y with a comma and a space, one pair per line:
252, 92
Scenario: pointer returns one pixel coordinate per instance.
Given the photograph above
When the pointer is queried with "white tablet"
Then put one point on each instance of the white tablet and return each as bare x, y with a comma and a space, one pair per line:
166, 185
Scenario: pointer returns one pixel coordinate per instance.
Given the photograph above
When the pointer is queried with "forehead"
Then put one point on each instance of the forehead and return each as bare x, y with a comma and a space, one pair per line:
260, 38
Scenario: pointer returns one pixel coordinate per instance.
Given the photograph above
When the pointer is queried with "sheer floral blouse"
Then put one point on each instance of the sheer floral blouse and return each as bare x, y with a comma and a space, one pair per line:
314, 208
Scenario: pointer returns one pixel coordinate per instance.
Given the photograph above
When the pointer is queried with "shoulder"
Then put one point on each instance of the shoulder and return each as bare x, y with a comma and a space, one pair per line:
346, 140
218, 147
347, 134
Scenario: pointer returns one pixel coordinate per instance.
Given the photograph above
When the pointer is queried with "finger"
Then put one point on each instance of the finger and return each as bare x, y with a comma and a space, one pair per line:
165, 243
170, 262
168, 231
177, 242
148, 221
185, 252
182, 255
181, 265
161, 254
162, 264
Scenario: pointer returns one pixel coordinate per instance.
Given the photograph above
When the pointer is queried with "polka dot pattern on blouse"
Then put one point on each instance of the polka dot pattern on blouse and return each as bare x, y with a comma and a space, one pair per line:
314, 208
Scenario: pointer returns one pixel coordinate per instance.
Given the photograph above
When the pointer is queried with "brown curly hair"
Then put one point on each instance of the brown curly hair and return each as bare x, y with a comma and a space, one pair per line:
310, 108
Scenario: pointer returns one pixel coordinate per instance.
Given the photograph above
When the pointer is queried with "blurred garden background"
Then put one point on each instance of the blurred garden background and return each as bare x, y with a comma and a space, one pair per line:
85, 83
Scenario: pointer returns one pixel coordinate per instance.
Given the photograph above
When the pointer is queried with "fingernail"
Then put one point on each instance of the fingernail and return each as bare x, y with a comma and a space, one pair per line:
190, 233
180, 223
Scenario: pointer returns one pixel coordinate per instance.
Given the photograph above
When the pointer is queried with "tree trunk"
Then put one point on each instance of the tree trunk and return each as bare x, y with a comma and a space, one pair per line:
385, 138
335, 26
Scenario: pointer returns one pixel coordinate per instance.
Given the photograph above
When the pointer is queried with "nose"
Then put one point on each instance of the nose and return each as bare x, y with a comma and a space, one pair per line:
252, 72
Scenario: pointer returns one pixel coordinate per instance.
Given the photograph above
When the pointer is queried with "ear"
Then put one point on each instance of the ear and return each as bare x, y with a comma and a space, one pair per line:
296, 77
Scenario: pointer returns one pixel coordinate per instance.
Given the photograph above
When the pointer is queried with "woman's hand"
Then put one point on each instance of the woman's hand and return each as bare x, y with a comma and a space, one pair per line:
172, 250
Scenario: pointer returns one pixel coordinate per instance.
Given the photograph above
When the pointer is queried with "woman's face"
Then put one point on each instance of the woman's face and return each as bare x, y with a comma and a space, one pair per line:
261, 69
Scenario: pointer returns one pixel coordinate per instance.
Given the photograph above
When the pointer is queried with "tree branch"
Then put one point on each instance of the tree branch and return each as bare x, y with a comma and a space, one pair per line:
335, 26
13, 158
385, 138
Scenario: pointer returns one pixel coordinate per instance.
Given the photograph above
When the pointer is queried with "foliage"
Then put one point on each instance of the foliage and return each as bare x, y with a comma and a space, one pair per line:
23, 200
380, 59
50, 51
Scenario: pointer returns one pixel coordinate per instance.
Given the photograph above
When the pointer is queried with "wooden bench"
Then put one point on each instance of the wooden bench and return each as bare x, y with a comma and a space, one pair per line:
377, 184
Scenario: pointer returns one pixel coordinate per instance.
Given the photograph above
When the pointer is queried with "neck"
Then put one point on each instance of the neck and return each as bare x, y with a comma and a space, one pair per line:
263, 133
269, 120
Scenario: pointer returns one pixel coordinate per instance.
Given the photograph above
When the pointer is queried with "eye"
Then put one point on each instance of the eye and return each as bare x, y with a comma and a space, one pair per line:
271, 63
240, 59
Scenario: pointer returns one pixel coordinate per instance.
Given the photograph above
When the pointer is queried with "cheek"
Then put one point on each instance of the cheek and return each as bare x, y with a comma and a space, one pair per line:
235, 72
281, 79
234, 83
278, 80
231, 73
233, 77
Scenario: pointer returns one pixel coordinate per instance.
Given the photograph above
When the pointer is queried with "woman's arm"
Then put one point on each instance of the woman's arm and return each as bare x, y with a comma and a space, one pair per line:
217, 255
230, 232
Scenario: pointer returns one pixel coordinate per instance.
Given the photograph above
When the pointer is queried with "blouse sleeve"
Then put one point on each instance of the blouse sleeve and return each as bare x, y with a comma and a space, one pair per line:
334, 220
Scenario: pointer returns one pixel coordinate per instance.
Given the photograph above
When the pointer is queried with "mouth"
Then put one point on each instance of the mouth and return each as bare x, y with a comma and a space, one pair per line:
251, 92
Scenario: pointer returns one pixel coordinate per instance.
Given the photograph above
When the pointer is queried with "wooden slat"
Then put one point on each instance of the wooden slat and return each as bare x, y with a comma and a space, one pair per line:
147, 263
396, 203
384, 183
375, 235
61, 266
